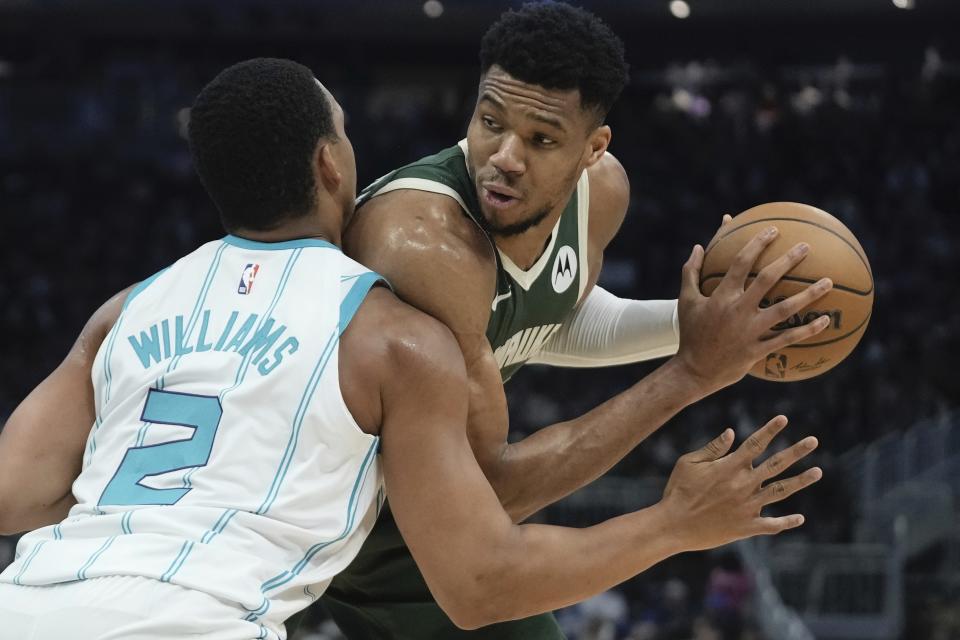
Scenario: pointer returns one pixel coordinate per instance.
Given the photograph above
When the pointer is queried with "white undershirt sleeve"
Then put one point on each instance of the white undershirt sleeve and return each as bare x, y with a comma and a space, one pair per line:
606, 330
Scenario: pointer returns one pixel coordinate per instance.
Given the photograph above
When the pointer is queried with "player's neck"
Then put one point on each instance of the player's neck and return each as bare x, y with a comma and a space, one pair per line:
297, 229
527, 247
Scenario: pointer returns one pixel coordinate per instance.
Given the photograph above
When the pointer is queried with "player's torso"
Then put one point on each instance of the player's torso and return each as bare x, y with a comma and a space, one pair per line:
529, 305
223, 456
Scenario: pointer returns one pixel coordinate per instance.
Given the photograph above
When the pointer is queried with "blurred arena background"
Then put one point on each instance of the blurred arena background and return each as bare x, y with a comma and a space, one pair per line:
850, 105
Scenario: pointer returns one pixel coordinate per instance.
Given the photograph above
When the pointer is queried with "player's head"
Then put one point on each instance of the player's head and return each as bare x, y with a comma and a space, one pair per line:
549, 74
269, 146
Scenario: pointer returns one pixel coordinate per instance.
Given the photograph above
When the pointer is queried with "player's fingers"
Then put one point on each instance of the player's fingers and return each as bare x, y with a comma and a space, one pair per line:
736, 275
782, 489
794, 304
690, 281
760, 439
713, 450
771, 274
727, 219
798, 334
777, 464
773, 526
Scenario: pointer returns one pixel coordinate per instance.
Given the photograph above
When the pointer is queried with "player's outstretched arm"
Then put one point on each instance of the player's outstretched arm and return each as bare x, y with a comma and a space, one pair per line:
41, 445
443, 266
483, 569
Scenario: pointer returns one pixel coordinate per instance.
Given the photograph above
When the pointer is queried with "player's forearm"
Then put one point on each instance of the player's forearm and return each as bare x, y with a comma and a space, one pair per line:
546, 567
561, 458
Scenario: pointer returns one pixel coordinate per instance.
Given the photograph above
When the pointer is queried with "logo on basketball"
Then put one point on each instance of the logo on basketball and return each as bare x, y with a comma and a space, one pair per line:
775, 366
564, 269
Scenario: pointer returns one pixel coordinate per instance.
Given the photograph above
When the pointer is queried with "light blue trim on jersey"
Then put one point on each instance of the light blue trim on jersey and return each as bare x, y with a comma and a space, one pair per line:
287, 576
195, 314
58, 532
140, 286
259, 612
219, 525
82, 573
178, 561
299, 416
243, 243
245, 361
354, 298
26, 563
201, 298
125, 522
309, 594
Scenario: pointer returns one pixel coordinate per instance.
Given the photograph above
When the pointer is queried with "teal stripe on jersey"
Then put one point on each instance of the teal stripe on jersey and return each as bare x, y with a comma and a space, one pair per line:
140, 286
298, 422
281, 287
287, 576
245, 362
219, 526
58, 532
195, 314
125, 522
309, 594
259, 612
201, 298
177, 562
26, 563
82, 573
353, 299
108, 356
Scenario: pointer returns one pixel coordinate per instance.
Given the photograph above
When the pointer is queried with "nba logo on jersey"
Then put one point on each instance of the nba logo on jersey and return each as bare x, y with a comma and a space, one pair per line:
246, 278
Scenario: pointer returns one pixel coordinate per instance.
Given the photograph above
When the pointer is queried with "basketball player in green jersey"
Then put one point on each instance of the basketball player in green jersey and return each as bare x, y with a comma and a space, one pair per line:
501, 238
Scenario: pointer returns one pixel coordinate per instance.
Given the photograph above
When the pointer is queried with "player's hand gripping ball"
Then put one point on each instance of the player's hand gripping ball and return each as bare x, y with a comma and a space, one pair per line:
834, 253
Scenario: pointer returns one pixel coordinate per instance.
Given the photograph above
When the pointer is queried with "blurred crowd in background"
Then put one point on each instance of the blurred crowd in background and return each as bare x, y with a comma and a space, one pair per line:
97, 192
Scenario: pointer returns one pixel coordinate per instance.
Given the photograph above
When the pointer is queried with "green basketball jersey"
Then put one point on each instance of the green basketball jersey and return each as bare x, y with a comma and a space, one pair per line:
529, 305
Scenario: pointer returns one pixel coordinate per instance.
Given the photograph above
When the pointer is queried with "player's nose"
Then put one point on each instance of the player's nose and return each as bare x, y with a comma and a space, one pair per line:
509, 156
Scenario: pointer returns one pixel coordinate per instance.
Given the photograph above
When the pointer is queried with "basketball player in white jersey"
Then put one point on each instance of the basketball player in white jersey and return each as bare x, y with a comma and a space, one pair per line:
247, 404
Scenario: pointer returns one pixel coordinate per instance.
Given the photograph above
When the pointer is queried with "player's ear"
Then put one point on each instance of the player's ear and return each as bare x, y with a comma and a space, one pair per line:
326, 167
597, 144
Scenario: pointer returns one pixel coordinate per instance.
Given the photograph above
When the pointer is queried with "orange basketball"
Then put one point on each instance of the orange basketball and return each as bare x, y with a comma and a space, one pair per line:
834, 253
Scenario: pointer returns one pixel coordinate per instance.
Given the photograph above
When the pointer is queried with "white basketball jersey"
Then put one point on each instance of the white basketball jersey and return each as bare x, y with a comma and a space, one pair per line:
223, 457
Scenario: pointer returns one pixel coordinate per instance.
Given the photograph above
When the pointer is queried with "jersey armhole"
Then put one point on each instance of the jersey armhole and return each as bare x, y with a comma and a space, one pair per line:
359, 287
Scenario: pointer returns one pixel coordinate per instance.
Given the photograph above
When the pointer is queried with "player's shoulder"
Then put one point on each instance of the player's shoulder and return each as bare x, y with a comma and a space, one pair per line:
414, 221
400, 340
435, 257
609, 197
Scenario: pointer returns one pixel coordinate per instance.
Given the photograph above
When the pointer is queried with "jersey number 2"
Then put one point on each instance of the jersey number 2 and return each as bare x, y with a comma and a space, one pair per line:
201, 413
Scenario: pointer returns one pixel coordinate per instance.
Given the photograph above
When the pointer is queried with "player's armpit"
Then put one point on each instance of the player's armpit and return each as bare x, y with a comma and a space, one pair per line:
41, 445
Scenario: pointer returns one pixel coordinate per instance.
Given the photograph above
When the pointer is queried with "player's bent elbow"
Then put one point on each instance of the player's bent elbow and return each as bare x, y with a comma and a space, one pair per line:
479, 600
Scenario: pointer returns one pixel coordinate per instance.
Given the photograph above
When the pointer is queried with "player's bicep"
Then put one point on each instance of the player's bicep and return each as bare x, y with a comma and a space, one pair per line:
41, 444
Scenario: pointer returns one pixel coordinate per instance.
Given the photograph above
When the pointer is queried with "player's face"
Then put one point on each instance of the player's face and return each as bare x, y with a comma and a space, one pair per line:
527, 148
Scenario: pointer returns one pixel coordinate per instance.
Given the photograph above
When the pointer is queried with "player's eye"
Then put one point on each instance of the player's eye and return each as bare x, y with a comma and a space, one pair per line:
543, 140
491, 124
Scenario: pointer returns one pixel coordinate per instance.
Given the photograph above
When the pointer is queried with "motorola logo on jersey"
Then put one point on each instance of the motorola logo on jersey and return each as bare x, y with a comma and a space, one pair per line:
564, 269
246, 279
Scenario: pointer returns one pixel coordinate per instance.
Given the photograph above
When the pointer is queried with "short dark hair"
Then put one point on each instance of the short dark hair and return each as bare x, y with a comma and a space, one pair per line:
558, 46
253, 132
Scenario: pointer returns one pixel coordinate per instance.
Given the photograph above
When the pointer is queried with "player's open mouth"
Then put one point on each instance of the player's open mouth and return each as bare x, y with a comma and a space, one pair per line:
498, 199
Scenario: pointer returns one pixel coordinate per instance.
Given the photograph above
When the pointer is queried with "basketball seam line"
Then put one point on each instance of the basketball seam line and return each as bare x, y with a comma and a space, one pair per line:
827, 229
754, 274
832, 340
